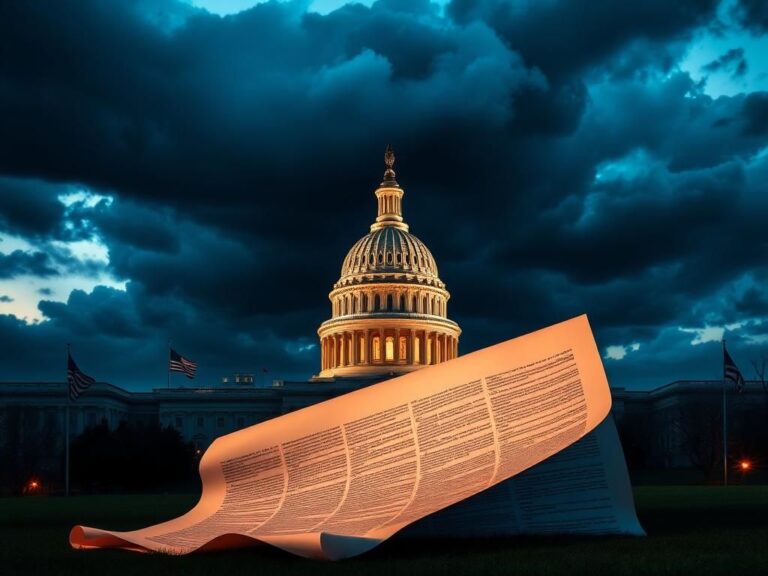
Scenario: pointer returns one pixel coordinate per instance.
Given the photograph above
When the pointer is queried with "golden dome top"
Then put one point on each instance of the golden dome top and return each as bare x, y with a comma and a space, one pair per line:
389, 249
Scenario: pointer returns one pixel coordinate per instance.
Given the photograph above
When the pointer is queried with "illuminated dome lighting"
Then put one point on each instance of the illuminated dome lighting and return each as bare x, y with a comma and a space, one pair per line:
389, 308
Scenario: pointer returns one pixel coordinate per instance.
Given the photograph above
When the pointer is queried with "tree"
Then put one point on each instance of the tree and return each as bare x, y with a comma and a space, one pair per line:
700, 428
28, 448
131, 458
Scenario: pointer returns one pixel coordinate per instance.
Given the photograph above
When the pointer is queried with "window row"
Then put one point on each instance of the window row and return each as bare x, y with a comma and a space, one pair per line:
390, 258
359, 303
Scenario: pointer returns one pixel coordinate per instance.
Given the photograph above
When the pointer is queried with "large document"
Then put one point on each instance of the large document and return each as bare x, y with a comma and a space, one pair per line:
335, 479
582, 490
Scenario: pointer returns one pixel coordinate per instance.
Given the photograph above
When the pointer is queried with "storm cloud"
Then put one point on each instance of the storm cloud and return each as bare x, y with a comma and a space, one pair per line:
203, 177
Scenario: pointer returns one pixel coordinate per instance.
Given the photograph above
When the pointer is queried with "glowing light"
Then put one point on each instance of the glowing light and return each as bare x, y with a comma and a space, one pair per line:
745, 465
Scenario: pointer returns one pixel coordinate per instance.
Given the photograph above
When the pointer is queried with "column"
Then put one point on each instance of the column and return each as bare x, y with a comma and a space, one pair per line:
323, 353
350, 347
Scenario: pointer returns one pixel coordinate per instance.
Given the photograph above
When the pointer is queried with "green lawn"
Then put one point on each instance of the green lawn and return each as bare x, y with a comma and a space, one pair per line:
692, 530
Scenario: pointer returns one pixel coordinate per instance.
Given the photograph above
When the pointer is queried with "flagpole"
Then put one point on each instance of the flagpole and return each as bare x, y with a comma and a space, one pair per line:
725, 427
66, 426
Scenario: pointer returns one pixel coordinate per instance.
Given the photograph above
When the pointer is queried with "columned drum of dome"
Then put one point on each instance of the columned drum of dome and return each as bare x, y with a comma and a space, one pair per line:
389, 308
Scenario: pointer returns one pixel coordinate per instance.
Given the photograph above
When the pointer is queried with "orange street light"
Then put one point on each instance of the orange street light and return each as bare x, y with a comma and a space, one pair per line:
745, 465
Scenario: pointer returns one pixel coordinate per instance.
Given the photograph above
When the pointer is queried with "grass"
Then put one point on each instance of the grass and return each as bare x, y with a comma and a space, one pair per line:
692, 530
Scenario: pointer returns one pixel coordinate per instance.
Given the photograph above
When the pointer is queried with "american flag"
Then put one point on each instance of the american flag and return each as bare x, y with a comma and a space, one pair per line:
181, 364
730, 372
78, 381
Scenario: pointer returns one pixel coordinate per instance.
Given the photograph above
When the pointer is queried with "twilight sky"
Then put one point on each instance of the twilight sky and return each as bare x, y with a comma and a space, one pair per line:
198, 171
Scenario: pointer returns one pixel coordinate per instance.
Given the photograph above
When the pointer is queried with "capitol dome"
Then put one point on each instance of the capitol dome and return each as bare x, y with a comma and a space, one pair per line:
389, 250
389, 308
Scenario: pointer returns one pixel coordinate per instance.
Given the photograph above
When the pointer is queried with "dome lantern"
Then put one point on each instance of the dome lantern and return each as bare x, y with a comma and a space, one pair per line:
390, 197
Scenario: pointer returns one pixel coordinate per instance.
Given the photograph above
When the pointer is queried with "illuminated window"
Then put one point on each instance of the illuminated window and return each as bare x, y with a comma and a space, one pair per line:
429, 351
403, 348
361, 353
389, 348
376, 342
416, 349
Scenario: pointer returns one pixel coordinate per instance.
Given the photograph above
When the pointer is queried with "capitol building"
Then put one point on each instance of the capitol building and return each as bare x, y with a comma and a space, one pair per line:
388, 316
389, 308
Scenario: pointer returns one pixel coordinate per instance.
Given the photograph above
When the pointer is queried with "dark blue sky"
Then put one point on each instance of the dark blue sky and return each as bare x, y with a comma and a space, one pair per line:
198, 171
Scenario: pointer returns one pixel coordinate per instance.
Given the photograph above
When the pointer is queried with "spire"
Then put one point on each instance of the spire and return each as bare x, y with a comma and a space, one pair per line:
389, 162
389, 196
